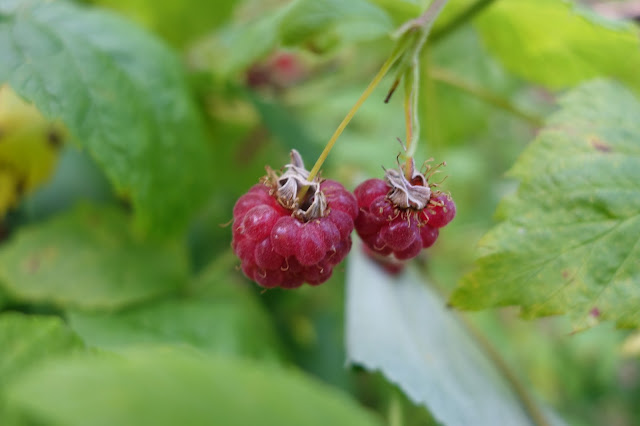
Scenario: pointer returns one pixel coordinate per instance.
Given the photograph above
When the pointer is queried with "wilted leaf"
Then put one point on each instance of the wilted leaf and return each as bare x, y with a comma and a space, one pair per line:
569, 240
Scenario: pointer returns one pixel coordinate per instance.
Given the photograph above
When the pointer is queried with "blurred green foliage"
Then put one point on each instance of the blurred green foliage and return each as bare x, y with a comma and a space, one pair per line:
120, 301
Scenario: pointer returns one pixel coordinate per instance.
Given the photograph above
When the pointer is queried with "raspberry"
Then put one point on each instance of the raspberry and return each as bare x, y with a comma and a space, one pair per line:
286, 247
440, 211
400, 217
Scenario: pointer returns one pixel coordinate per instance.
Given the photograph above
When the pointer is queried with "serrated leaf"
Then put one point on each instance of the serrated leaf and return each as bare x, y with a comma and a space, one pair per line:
89, 258
28, 339
228, 320
553, 43
167, 387
353, 19
123, 96
569, 241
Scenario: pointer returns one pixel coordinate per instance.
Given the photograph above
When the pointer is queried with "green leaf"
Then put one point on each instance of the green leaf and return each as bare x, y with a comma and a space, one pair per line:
178, 22
227, 320
351, 20
569, 239
28, 339
402, 10
167, 387
317, 23
402, 328
89, 258
238, 46
124, 97
552, 43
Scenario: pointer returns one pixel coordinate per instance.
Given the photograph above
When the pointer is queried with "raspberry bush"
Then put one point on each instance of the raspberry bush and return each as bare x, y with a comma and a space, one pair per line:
152, 272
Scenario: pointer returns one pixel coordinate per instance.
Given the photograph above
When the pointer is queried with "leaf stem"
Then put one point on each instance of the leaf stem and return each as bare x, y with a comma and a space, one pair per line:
395, 417
446, 77
463, 17
528, 402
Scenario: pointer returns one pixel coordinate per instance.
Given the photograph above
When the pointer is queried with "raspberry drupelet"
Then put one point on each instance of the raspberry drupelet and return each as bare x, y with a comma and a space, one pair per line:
283, 241
398, 216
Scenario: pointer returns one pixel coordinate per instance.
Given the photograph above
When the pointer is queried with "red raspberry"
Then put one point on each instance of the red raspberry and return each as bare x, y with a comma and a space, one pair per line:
389, 229
279, 249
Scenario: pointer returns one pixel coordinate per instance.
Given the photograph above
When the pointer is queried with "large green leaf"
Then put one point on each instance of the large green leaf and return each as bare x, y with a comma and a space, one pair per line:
28, 339
227, 319
553, 43
166, 387
123, 96
569, 240
402, 328
89, 258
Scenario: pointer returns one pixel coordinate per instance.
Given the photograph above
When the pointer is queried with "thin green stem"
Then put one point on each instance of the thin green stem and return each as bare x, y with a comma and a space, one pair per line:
422, 24
412, 122
395, 410
528, 402
446, 77
463, 17
367, 92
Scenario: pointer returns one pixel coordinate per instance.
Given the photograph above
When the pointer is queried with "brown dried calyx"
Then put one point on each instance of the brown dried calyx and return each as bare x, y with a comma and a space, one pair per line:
287, 188
408, 194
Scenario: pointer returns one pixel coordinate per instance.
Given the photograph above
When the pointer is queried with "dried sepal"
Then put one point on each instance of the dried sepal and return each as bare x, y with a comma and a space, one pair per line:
408, 194
288, 186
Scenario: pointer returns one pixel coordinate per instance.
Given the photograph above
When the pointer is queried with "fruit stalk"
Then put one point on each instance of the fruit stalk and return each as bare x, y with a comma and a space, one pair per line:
406, 43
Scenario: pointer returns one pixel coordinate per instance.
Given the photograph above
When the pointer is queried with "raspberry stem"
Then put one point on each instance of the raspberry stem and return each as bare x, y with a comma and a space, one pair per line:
411, 37
367, 92
412, 122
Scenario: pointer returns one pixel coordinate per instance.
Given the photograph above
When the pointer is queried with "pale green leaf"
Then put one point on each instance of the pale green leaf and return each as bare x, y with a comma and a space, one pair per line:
227, 320
26, 340
351, 20
89, 258
552, 43
402, 328
569, 240
178, 22
166, 387
318, 23
124, 97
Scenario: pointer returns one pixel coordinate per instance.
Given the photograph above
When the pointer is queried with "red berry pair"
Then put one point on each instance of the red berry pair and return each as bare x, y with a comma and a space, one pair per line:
289, 230
286, 246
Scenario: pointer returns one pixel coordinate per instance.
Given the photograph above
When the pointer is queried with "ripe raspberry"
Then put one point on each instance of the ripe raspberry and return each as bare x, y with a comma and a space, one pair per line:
400, 217
282, 243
